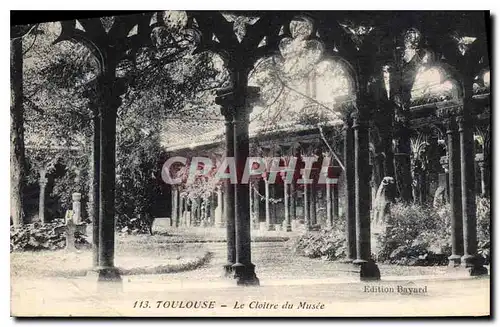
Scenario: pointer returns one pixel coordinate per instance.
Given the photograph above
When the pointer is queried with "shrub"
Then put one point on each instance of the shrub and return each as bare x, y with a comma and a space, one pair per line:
419, 235
142, 224
416, 232
50, 236
328, 244
483, 227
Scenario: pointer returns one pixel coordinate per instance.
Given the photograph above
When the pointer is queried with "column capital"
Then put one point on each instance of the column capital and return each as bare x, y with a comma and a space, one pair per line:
480, 159
358, 122
463, 122
236, 102
346, 109
444, 163
446, 110
451, 124
76, 196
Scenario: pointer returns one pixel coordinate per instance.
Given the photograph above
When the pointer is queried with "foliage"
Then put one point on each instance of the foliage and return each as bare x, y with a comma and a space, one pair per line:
422, 235
328, 244
484, 227
50, 236
418, 235
163, 81
137, 173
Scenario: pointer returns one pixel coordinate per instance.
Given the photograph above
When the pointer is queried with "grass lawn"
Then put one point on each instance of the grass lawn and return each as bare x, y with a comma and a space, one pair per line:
134, 254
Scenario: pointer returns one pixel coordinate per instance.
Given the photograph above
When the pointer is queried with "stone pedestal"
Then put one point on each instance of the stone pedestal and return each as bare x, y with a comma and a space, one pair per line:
77, 208
218, 217
70, 232
41, 204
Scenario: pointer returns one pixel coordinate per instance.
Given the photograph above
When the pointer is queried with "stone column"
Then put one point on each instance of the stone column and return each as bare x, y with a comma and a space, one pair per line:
229, 209
486, 164
307, 220
484, 174
328, 196
175, 203
41, 203
293, 201
213, 201
222, 204
219, 211
313, 198
196, 211
244, 269
95, 186
368, 270
335, 202
272, 207
77, 207
288, 224
111, 101
470, 259
269, 225
235, 103
454, 178
250, 204
349, 192
256, 203
180, 212
203, 211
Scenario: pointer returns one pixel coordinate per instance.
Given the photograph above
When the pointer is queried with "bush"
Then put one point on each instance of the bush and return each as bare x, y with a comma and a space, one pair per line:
328, 244
483, 227
418, 236
417, 233
142, 224
138, 182
51, 236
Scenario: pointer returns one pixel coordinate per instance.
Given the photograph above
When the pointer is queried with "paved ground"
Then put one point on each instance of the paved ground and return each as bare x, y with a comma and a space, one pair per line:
285, 278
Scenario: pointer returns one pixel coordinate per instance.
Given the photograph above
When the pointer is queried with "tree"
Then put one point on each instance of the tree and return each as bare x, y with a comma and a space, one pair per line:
163, 81
17, 153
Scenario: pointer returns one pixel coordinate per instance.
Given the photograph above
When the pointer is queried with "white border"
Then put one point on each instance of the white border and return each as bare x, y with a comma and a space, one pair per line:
201, 5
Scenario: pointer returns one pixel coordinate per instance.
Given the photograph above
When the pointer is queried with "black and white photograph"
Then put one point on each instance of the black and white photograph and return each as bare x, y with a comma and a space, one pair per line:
250, 163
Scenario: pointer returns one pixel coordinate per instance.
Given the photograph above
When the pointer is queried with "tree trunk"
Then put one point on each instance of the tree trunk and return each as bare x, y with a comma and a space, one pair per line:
17, 155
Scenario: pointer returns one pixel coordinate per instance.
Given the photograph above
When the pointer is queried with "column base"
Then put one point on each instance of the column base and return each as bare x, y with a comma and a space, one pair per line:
228, 270
347, 260
474, 265
106, 274
271, 227
108, 279
288, 228
454, 260
245, 274
368, 270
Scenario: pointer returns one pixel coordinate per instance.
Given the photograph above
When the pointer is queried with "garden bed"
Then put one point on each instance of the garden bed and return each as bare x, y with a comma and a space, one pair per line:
419, 236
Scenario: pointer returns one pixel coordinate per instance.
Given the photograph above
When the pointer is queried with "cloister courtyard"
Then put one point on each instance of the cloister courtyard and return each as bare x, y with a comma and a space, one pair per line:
284, 277
251, 163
